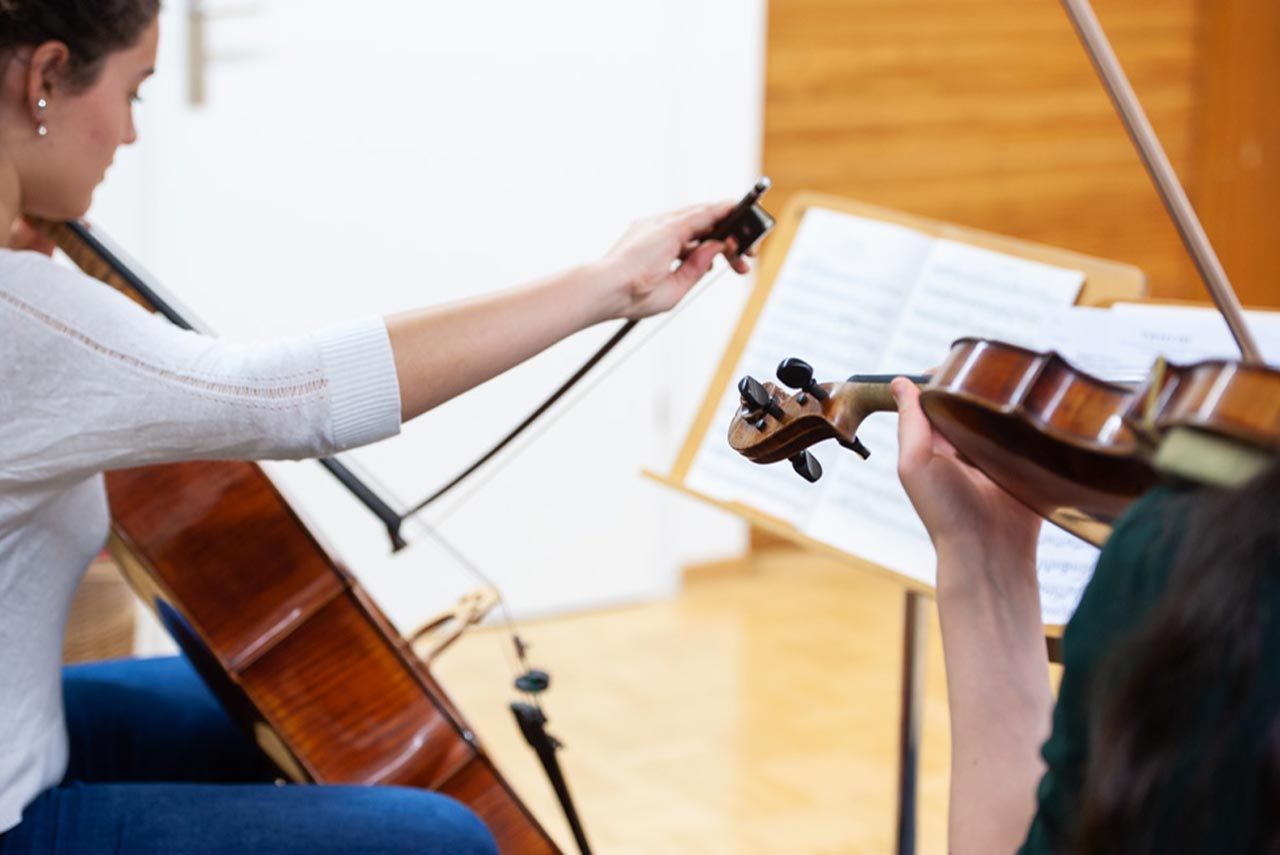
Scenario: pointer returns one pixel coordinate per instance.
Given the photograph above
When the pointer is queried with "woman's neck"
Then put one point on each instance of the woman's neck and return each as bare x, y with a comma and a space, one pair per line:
10, 199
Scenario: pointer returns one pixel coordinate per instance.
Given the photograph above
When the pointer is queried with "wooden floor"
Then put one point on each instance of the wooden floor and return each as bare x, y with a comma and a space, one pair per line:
755, 713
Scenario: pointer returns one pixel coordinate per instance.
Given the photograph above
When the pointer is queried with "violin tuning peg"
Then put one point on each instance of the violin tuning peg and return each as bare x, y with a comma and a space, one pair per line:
756, 398
753, 393
797, 374
855, 445
807, 466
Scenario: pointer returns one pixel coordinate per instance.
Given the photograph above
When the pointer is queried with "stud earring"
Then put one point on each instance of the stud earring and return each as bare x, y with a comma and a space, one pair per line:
41, 130
41, 104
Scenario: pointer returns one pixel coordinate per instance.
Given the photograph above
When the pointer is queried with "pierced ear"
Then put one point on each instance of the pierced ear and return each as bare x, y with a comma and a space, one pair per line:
46, 72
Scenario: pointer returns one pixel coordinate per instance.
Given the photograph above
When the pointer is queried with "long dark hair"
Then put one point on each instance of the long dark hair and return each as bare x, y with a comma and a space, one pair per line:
91, 29
1190, 680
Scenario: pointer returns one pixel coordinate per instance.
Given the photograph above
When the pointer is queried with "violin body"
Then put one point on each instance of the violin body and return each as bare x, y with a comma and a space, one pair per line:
284, 635
1222, 397
1051, 435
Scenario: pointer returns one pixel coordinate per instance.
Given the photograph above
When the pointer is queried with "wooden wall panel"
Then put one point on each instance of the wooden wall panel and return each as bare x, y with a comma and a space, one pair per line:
1238, 142
986, 113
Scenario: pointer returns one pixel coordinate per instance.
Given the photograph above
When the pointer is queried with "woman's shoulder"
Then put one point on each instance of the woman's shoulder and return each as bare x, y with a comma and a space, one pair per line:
33, 280
1152, 529
23, 269
1132, 569
47, 297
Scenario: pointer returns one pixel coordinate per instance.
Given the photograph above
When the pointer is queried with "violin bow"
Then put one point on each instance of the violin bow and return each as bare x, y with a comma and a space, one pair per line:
537, 413
1162, 173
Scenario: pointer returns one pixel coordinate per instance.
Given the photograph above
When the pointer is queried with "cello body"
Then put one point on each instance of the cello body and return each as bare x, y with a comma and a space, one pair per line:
292, 646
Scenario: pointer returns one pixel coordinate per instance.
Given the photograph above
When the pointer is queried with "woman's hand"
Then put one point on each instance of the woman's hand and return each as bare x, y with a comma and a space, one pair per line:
23, 235
443, 351
968, 517
641, 264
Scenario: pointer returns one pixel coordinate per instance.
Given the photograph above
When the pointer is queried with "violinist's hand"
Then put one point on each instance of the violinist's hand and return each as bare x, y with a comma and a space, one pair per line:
968, 517
641, 265
23, 235
992, 639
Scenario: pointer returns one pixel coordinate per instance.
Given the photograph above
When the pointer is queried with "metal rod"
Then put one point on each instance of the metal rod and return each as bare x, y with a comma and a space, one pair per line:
1161, 170
915, 630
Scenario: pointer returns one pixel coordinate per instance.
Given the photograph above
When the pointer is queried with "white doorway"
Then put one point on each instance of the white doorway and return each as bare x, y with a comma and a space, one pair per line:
352, 159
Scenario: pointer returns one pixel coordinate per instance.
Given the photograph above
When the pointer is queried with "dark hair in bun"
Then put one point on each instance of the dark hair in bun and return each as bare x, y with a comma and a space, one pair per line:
91, 29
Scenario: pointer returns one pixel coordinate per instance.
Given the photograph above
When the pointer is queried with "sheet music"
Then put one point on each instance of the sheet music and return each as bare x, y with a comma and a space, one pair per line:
835, 303
1087, 337
1122, 343
962, 290
1189, 333
1064, 565
862, 296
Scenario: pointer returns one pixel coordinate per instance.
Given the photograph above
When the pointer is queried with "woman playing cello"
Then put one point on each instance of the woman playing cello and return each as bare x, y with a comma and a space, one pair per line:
136, 757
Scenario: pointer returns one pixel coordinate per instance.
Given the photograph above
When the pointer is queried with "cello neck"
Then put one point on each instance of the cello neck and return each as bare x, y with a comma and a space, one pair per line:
1161, 171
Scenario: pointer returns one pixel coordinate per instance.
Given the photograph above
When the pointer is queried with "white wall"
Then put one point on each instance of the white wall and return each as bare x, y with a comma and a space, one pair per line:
409, 154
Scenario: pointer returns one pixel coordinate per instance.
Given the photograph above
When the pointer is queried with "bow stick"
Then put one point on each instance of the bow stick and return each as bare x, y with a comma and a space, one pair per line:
1162, 173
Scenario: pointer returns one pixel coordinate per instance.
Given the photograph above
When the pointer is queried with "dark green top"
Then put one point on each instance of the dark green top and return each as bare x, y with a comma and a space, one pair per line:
1131, 574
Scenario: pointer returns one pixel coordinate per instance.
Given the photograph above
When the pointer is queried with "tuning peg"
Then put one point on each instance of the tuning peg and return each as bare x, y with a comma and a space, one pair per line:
797, 374
807, 466
757, 397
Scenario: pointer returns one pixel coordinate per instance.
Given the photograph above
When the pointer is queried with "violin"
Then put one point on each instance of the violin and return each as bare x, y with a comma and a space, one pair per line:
1075, 449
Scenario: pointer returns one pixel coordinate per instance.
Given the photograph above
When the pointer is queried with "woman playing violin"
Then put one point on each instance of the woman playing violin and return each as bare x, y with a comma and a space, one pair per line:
137, 757
1166, 733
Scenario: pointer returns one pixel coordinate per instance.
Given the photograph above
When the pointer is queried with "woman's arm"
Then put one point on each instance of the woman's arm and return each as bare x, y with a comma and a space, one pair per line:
442, 352
992, 637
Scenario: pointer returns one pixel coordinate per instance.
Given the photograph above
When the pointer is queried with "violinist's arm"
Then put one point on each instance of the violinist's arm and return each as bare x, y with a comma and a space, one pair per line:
442, 352
993, 640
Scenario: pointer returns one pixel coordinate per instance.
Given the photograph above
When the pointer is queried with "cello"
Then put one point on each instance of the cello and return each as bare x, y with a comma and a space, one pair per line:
281, 631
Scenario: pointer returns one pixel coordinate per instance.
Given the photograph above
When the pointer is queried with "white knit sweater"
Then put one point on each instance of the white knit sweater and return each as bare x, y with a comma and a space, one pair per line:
90, 382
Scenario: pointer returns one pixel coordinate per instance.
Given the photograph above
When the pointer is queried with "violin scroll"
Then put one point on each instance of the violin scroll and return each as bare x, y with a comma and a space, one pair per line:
771, 426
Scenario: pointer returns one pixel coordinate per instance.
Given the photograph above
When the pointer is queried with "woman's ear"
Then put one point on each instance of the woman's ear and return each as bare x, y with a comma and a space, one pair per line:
46, 72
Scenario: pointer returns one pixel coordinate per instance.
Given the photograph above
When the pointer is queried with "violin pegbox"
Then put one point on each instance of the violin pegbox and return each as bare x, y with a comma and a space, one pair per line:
772, 425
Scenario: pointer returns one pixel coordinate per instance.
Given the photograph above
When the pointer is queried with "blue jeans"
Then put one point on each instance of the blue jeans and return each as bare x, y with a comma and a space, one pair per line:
156, 766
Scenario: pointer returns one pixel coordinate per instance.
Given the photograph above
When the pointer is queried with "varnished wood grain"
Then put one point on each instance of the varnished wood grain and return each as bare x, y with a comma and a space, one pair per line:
285, 638
1237, 141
